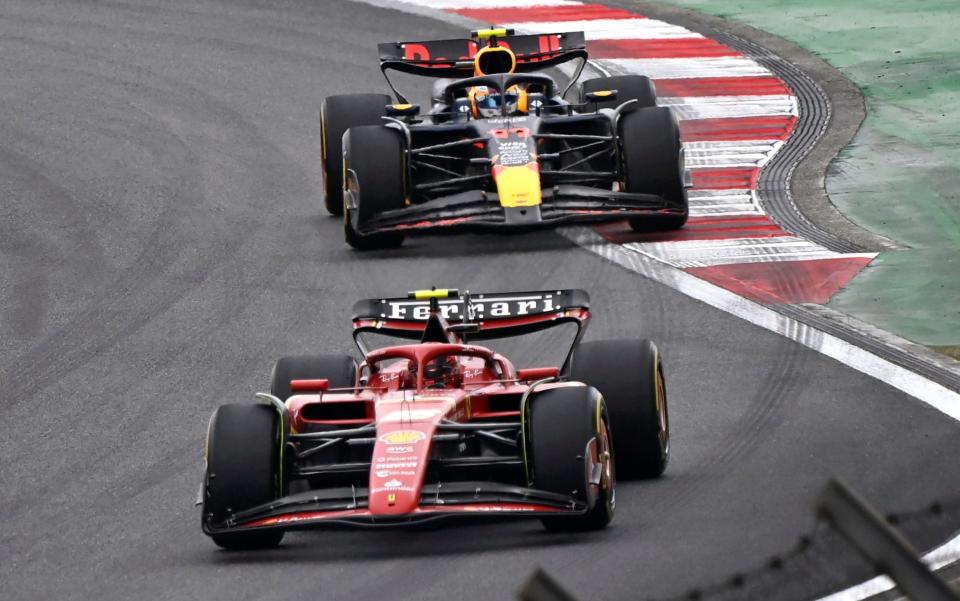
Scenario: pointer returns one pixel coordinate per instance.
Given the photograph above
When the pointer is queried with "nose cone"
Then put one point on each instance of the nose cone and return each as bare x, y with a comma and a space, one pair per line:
518, 185
399, 466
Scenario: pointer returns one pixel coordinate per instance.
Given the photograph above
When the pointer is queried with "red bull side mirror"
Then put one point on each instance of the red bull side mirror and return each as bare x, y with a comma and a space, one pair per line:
403, 110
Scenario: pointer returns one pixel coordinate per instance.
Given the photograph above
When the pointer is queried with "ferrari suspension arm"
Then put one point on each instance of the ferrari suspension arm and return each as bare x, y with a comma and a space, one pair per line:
348, 433
472, 427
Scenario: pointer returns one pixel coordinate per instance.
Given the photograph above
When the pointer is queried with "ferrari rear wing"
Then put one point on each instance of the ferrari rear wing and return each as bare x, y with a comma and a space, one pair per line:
487, 315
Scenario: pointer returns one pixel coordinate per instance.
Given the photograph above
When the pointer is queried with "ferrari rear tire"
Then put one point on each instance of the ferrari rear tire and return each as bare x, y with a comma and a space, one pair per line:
243, 470
628, 87
374, 164
653, 163
564, 426
337, 115
629, 375
339, 370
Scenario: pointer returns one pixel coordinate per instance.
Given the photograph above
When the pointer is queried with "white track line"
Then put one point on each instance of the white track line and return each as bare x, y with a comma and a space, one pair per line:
704, 253
724, 194
723, 203
719, 107
745, 153
684, 68
610, 29
733, 210
937, 396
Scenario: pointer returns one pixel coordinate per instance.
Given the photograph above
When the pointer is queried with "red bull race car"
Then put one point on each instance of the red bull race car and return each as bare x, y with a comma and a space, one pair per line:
439, 427
500, 147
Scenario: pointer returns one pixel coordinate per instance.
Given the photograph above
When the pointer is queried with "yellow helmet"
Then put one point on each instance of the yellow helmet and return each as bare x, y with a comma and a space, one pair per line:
487, 102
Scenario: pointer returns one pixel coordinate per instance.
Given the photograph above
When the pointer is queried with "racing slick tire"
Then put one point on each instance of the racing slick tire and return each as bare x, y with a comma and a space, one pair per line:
337, 115
243, 470
339, 370
373, 162
629, 375
628, 87
561, 425
653, 163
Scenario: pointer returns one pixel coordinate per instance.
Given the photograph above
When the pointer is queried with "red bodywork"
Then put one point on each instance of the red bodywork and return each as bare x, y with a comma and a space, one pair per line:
410, 419
407, 413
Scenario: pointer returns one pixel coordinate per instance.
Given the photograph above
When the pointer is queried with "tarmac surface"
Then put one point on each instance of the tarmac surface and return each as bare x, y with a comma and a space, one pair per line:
163, 242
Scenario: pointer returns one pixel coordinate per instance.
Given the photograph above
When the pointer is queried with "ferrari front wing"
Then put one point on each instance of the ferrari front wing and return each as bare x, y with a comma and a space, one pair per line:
348, 506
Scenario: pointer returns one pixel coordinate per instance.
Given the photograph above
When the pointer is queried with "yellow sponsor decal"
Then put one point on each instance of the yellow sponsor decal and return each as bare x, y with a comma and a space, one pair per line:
428, 294
519, 186
403, 437
484, 34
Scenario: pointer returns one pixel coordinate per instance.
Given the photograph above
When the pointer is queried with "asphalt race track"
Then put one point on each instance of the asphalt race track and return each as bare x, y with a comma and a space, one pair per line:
163, 242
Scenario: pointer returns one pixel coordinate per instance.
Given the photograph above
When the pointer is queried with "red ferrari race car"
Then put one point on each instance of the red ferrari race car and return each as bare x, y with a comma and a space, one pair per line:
439, 427
501, 147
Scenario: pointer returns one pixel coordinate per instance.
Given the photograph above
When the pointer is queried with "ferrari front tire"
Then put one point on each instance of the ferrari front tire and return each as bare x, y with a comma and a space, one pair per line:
564, 427
653, 163
629, 375
243, 471
337, 115
374, 167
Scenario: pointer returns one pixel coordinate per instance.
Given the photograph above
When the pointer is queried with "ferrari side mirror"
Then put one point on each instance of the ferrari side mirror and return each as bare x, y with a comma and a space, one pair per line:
307, 386
530, 374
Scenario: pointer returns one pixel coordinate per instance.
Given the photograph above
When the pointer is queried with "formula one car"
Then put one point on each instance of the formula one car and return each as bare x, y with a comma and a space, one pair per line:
439, 428
500, 148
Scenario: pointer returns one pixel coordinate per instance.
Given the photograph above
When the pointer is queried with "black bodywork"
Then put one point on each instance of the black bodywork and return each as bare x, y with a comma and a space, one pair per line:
450, 156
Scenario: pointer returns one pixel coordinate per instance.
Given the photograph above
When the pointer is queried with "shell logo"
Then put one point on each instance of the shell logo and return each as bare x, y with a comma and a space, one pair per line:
403, 437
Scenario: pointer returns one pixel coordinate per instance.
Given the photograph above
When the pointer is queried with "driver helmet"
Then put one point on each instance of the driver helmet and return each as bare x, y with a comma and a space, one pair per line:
438, 370
486, 102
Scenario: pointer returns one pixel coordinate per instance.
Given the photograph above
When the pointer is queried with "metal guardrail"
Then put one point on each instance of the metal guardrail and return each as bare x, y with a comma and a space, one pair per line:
881, 544
845, 521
